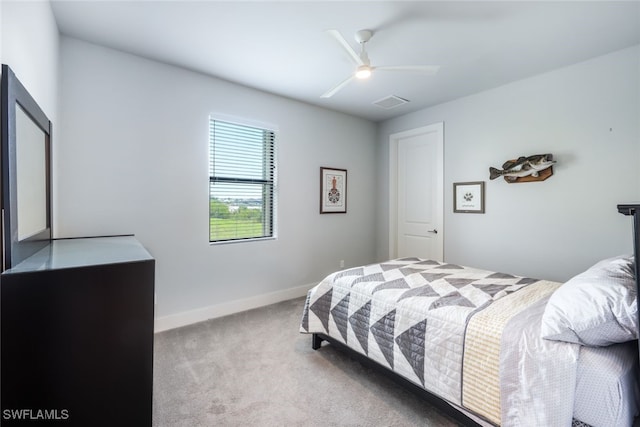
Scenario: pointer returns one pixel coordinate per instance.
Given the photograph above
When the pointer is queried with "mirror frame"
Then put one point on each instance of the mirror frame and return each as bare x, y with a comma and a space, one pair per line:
13, 93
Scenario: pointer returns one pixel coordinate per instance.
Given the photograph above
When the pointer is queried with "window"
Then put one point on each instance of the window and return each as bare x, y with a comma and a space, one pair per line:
241, 182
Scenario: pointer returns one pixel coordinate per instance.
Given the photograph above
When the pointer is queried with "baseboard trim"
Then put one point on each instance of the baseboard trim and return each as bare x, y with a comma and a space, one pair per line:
185, 318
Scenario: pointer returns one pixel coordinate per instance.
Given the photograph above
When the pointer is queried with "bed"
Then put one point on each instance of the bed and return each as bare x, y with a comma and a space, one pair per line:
493, 348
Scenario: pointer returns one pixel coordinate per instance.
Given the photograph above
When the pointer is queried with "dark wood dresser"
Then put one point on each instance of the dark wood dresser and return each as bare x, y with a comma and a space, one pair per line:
76, 335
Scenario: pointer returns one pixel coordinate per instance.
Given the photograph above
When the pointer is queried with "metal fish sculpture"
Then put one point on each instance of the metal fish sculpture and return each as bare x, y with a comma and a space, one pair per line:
523, 166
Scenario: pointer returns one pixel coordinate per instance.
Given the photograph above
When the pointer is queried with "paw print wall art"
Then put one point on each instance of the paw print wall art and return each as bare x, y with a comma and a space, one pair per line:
468, 197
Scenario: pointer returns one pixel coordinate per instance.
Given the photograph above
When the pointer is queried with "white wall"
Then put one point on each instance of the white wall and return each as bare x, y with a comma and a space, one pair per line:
29, 44
133, 158
588, 116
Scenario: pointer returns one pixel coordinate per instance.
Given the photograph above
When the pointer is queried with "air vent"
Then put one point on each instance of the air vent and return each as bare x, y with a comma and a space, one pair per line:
389, 102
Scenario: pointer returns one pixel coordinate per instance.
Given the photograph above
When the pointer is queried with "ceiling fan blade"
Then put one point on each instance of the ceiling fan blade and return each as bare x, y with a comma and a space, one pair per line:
346, 46
425, 69
336, 88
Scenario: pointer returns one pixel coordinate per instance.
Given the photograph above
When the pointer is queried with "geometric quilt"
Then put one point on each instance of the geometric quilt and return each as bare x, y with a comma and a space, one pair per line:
407, 314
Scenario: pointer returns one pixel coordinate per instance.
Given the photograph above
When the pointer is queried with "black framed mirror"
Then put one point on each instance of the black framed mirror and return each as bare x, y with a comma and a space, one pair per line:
26, 172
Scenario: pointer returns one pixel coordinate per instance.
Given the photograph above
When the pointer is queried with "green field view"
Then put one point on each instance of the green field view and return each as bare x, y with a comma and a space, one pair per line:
226, 229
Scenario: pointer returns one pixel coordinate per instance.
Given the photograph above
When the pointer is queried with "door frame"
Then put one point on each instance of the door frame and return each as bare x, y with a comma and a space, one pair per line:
393, 182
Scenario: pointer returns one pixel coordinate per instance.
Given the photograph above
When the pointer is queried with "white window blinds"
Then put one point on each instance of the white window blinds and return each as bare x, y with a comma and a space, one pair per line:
241, 182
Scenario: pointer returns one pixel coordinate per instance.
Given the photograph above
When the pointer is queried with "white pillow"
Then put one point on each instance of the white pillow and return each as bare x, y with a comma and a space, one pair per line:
595, 308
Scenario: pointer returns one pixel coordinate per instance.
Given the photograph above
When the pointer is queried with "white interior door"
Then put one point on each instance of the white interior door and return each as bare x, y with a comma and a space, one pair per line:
416, 191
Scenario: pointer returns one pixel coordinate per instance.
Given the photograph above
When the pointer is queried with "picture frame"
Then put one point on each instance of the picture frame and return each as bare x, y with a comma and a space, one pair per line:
333, 190
468, 197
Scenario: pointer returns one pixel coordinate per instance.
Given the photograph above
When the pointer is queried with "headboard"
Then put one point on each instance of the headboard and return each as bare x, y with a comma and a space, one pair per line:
634, 210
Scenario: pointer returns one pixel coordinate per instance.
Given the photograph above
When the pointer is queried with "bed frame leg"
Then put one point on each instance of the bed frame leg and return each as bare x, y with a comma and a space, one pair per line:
316, 341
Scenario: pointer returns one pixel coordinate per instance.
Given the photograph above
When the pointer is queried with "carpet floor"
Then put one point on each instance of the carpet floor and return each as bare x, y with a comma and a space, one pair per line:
255, 369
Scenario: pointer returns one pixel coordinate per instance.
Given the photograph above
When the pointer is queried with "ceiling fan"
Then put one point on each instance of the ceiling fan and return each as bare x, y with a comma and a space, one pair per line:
364, 68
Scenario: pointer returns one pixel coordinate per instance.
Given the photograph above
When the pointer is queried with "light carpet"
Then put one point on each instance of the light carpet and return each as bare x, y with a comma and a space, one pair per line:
255, 369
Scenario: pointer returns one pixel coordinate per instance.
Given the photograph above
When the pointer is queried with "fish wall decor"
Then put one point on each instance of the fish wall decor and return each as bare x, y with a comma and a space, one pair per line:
524, 169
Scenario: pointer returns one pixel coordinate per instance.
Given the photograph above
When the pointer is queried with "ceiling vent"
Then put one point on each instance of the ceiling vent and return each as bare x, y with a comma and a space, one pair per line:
389, 102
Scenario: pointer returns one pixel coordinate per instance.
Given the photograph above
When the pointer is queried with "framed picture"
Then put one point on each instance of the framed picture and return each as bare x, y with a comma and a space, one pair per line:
333, 190
468, 197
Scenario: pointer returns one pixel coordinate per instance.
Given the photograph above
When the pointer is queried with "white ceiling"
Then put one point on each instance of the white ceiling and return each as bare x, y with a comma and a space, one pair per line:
282, 46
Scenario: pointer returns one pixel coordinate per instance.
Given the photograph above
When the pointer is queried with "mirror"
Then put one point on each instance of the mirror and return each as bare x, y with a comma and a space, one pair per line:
26, 172
31, 180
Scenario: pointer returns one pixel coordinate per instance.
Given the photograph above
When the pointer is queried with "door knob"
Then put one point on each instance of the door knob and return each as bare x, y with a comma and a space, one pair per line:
434, 231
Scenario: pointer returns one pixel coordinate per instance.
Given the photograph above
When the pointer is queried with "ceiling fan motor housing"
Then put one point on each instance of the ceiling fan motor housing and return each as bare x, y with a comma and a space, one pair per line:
363, 36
